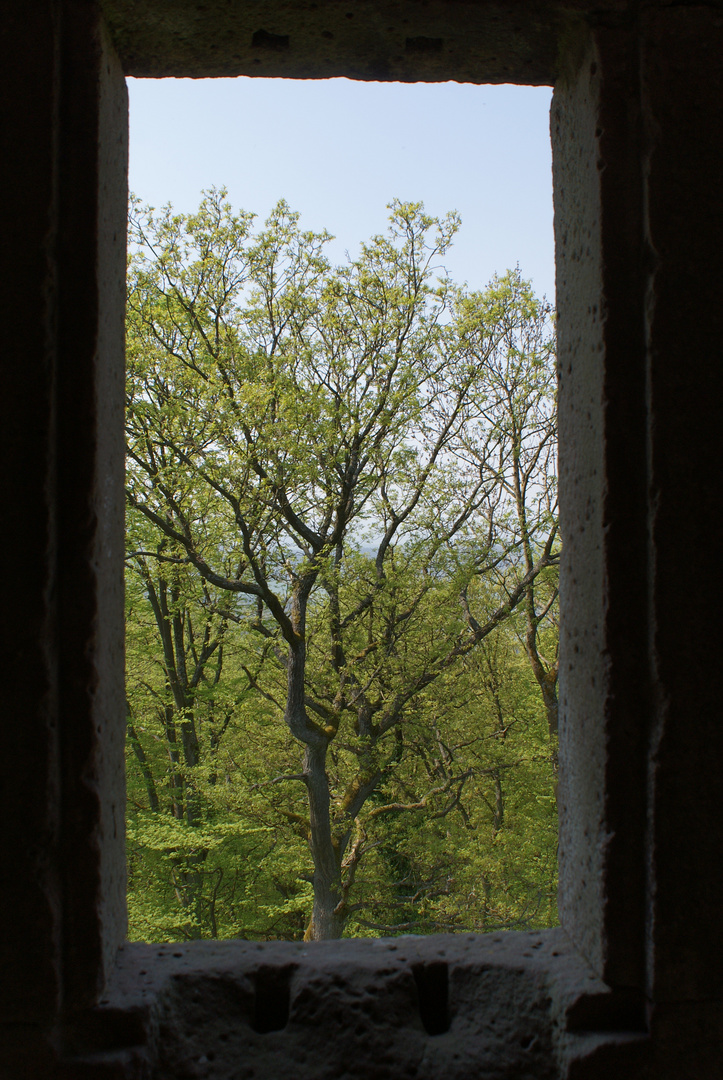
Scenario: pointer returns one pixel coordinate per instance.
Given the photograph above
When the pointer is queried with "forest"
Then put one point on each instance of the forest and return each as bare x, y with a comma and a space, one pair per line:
341, 584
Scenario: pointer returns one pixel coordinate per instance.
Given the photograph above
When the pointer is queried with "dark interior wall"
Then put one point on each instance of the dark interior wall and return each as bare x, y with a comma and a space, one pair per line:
29, 793
682, 102
64, 130
636, 129
638, 221
90, 541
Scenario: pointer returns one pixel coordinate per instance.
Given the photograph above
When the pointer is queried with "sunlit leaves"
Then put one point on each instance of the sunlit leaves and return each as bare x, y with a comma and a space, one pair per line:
341, 499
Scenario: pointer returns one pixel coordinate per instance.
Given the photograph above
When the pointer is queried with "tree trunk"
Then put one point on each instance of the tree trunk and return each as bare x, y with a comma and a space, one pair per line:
549, 697
499, 814
546, 680
145, 768
327, 920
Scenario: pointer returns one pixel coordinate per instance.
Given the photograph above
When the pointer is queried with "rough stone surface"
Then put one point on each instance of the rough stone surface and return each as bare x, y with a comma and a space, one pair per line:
605, 711
452, 1005
62, 881
465, 40
581, 469
90, 389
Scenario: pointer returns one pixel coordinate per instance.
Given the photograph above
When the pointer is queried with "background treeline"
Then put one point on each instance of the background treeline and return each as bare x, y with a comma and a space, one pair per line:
341, 585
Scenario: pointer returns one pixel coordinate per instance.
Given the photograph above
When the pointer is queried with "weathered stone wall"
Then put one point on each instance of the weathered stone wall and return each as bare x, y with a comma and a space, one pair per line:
64, 197
500, 1005
462, 40
632, 984
601, 267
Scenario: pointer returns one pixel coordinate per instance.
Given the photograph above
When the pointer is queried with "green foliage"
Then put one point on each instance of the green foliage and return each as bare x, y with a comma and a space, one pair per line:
341, 583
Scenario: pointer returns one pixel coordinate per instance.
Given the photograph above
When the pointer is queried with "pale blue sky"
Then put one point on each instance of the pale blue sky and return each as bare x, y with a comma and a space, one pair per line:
338, 151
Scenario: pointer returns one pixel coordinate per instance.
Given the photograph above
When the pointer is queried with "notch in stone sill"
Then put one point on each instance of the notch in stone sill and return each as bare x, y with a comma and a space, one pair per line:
432, 982
272, 999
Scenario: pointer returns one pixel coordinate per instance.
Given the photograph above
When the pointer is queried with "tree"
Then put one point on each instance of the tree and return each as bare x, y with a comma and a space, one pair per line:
202, 860
191, 636
299, 435
482, 858
520, 406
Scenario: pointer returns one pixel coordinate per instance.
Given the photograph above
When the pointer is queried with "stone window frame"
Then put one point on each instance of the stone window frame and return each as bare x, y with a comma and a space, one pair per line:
629, 144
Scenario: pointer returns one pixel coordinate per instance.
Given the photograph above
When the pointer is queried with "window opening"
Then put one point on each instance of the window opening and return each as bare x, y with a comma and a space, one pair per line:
414, 417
